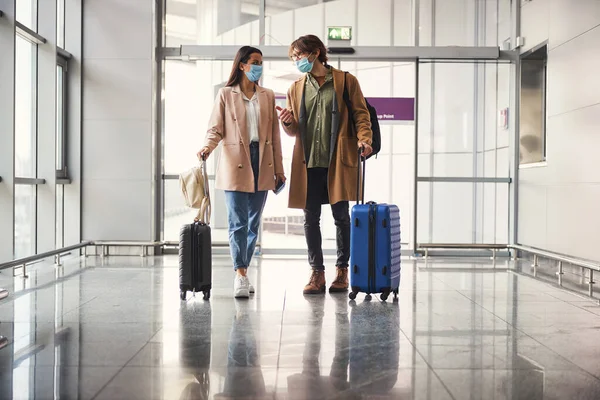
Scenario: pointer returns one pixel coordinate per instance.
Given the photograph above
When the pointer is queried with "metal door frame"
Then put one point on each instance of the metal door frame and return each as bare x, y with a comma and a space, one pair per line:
414, 54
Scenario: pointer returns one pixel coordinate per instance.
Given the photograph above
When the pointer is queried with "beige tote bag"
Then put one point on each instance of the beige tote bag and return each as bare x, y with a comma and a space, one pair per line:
194, 186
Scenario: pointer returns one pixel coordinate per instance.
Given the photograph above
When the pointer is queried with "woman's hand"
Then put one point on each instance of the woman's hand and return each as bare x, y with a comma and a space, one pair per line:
204, 153
285, 115
280, 177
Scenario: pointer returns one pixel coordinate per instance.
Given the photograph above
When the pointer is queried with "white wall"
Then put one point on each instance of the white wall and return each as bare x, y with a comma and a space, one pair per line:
117, 119
558, 203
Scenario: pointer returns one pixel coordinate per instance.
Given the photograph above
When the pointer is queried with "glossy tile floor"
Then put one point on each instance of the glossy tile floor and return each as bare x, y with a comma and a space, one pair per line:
115, 328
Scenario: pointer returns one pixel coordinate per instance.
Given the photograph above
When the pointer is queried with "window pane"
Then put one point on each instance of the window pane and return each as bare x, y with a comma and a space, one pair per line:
217, 22
463, 212
60, 219
25, 216
59, 118
460, 133
285, 21
533, 108
60, 23
25, 108
26, 11
464, 22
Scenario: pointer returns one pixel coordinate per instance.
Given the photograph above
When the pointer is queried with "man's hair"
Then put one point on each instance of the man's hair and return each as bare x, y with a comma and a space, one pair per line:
309, 44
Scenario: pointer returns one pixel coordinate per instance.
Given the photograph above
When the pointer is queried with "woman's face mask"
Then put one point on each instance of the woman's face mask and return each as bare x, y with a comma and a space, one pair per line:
304, 65
255, 72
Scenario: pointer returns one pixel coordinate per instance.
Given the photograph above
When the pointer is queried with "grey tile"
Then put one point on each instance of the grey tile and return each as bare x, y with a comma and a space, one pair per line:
522, 384
174, 383
75, 382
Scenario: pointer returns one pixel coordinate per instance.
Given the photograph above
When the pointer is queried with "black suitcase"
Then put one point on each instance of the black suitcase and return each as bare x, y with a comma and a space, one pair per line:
195, 259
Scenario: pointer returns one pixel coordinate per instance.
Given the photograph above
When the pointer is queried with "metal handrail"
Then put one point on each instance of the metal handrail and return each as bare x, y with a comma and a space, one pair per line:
493, 247
463, 245
561, 258
22, 262
125, 243
558, 257
144, 245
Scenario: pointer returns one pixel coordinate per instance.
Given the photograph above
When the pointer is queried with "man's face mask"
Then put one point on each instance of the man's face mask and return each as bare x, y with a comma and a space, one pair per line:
304, 65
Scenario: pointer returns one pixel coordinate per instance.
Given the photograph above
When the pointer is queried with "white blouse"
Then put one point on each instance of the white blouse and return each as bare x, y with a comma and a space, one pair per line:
252, 112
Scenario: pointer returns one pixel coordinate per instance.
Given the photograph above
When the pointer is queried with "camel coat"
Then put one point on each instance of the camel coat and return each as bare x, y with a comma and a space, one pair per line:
343, 157
228, 125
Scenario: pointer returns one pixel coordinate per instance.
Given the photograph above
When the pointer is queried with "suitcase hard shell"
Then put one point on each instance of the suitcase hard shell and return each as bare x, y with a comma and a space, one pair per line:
195, 259
375, 249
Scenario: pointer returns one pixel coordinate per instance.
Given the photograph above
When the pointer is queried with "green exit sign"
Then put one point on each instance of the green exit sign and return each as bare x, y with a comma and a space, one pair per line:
339, 33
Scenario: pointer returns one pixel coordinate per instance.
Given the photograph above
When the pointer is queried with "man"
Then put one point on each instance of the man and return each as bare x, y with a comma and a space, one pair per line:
325, 159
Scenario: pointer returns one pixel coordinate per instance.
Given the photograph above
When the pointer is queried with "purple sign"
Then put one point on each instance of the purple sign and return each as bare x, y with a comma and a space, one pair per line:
388, 108
393, 108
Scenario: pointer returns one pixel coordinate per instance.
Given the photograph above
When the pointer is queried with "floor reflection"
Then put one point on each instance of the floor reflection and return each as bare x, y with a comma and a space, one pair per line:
244, 377
195, 330
115, 329
366, 358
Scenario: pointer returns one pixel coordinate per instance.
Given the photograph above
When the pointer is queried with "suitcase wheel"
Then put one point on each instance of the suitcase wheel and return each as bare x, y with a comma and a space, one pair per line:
206, 295
352, 295
183, 295
384, 296
396, 295
368, 297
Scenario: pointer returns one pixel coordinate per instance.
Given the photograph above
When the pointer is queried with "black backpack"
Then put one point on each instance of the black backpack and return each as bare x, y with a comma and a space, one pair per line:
376, 145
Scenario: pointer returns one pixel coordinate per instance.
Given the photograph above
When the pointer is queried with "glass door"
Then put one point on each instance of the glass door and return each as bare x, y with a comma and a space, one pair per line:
389, 86
463, 145
189, 95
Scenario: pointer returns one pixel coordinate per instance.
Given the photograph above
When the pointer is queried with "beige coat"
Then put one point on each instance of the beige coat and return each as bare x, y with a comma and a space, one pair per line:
228, 125
343, 158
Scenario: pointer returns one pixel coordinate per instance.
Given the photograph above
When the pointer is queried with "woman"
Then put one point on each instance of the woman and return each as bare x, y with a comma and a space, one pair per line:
245, 120
325, 160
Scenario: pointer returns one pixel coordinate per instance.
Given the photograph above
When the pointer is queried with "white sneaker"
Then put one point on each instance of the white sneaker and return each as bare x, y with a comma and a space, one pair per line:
241, 287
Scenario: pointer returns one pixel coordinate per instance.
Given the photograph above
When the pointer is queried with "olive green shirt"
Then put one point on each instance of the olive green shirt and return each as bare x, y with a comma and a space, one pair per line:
319, 104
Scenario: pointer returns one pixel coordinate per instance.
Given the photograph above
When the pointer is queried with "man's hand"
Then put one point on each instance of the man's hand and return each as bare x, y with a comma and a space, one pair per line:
203, 154
285, 115
366, 149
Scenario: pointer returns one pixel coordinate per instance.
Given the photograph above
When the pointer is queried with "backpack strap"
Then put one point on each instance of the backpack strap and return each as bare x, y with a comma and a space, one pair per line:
346, 97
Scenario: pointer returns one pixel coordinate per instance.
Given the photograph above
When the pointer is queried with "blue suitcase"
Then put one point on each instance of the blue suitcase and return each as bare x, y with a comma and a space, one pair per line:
374, 249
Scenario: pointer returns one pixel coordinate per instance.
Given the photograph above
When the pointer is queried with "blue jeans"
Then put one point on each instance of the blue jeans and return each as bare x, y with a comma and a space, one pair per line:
244, 211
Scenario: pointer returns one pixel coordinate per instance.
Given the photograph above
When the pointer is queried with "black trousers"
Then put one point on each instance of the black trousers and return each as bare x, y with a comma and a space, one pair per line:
316, 195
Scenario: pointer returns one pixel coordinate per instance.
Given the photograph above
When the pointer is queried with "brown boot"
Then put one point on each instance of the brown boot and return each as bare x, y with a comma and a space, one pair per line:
340, 284
316, 285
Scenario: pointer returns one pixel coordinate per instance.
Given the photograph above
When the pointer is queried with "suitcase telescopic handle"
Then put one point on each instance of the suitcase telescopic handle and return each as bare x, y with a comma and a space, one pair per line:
204, 212
360, 186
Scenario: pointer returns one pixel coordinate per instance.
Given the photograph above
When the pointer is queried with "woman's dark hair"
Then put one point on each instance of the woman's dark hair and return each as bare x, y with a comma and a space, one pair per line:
242, 57
309, 44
